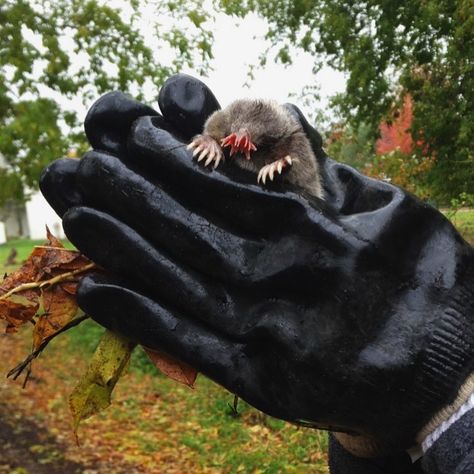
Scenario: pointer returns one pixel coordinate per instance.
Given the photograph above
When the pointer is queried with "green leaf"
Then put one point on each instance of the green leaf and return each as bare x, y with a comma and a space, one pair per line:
94, 390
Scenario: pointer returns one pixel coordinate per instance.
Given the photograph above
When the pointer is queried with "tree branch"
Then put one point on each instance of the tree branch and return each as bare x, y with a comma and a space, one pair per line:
16, 371
46, 283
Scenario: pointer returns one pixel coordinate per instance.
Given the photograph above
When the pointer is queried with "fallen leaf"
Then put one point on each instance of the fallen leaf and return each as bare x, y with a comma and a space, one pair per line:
172, 368
58, 308
93, 392
69, 287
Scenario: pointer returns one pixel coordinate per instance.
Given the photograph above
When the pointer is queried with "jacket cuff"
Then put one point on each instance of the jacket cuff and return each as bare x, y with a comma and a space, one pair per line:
453, 452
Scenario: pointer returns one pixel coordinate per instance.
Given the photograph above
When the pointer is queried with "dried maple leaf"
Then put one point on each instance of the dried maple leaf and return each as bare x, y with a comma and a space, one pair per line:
18, 310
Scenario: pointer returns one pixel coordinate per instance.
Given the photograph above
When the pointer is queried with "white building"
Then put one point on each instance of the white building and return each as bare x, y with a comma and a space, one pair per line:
40, 214
28, 220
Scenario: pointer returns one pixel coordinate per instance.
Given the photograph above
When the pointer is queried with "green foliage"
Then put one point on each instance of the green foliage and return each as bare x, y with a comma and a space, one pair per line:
29, 138
352, 146
56, 53
387, 48
11, 186
463, 200
408, 171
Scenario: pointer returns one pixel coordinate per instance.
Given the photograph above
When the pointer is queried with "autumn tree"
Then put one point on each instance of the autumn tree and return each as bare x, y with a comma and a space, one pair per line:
388, 49
56, 54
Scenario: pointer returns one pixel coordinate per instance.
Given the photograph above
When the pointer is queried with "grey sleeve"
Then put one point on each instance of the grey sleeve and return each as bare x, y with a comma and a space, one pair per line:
453, 452
342, 462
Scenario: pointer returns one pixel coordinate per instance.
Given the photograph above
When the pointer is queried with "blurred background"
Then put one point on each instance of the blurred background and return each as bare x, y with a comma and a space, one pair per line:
390, 87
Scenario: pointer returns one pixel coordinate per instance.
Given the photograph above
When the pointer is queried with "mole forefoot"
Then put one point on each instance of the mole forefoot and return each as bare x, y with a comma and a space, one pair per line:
206, 146
269, 170
239, 142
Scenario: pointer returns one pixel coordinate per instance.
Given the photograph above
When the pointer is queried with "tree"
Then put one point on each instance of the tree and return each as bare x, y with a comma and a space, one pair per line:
350, 146
53, 52
388, 49
392, 158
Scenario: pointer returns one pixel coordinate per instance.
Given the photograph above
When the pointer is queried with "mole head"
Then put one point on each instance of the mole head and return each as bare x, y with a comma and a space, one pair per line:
266, 121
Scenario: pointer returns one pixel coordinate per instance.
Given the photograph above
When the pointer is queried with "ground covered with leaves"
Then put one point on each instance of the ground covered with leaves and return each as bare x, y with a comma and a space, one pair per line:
153, 424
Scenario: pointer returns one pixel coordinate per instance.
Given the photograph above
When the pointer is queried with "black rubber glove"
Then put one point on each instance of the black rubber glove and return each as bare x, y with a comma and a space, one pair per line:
356, 313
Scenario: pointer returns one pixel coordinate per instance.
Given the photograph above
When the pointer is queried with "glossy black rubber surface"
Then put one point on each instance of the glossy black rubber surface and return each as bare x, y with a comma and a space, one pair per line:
352, 313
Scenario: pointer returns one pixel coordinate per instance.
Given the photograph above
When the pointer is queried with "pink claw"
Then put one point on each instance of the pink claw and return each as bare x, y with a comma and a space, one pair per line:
268, 171
205, 147
239, 142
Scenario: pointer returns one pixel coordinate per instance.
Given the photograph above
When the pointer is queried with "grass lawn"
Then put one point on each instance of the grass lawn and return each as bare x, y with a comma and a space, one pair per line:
464, 222
200, 422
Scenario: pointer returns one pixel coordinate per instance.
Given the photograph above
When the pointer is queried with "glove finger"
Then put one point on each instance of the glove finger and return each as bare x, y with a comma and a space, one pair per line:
154, 274
108, 121
119, 249
240, 367
185, 103
234, 198
220, 247
58, 185
107, 184
150, 270
163, 328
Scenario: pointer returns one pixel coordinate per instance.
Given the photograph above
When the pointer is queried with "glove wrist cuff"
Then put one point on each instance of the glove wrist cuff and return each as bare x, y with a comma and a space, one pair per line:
449, 414
448, 358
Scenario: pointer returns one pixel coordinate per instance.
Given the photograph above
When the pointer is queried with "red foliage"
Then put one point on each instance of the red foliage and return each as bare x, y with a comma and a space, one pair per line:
396, 135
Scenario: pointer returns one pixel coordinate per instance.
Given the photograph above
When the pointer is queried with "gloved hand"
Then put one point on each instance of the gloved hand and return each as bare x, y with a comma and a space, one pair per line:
355, 313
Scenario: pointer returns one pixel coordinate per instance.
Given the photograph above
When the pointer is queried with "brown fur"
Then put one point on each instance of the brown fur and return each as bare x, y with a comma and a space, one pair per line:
275, 133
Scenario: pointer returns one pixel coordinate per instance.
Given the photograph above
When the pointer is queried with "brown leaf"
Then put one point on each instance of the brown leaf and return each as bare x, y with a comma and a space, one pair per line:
45, 287
69, 287
41, 261
47, 263
17, 311
172, 368
52, 240
53, 259
26, 273
59, 307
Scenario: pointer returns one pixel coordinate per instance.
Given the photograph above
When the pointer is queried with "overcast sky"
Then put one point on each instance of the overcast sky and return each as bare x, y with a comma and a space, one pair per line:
235, 48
